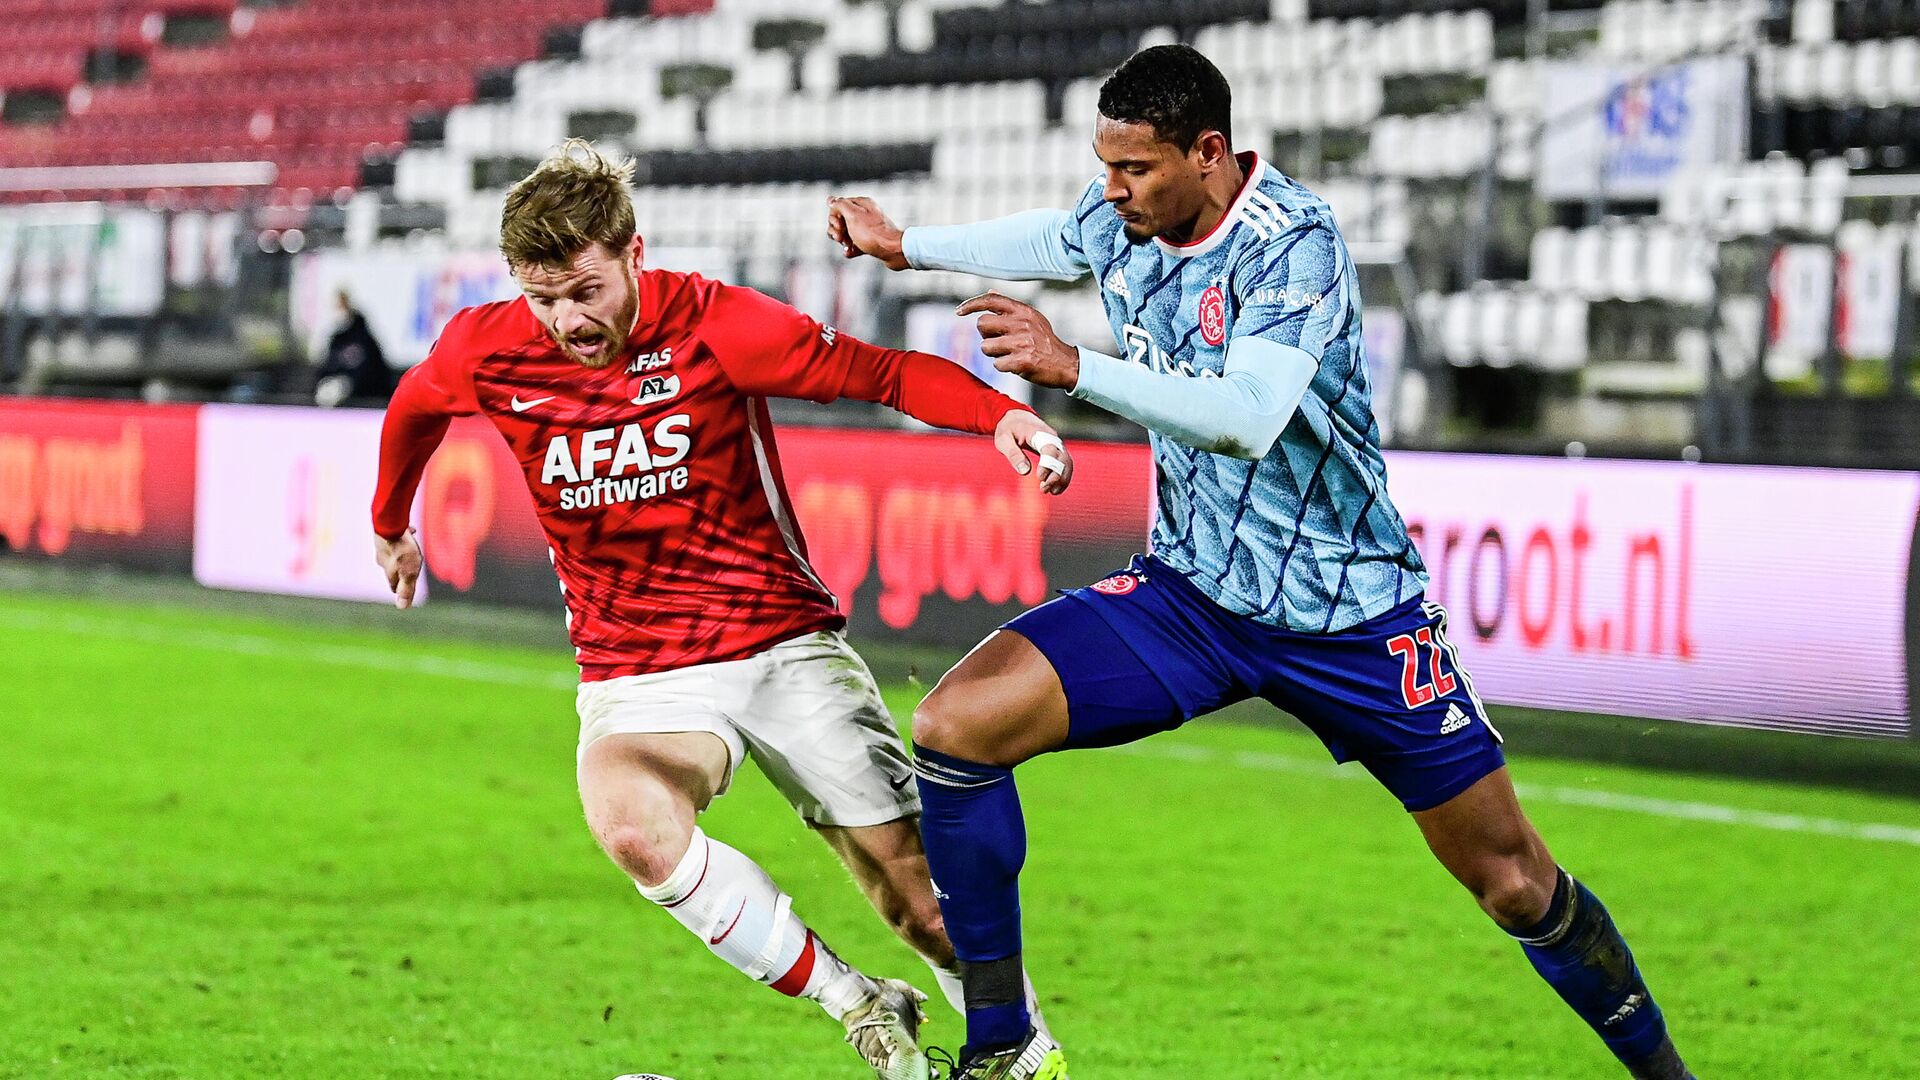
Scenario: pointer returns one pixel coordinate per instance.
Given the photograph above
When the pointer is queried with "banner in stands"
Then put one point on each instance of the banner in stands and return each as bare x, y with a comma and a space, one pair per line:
408, 293
97, 482
83, 258
283, 502
1846, 298
1622, 132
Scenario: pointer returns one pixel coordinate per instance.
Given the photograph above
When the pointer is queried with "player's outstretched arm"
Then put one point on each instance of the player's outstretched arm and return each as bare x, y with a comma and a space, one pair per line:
413, 429
1239, 414
1033, 245
424, 403
770, 349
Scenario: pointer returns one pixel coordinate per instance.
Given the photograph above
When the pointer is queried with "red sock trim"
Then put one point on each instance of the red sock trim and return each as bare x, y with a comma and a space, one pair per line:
795, 980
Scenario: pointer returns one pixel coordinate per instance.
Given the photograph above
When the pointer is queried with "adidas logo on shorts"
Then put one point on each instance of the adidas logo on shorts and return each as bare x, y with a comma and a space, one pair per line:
1455, 720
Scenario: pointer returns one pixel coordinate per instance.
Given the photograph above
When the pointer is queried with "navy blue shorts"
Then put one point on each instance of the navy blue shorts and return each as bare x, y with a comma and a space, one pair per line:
1144, 651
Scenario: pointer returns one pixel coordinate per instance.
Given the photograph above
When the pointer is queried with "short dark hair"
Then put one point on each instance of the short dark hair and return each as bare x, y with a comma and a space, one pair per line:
1173, 88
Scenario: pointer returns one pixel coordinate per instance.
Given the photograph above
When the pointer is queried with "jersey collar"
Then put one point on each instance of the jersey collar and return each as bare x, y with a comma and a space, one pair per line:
1256, 174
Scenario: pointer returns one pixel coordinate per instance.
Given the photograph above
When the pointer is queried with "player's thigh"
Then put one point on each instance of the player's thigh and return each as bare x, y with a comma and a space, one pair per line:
1132, 655
1002, 704
1391, 694
656, 749
620, 774
820, 731
1485, 841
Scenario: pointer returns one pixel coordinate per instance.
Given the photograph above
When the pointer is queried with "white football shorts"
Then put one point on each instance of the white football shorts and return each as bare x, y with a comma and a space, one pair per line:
807, 709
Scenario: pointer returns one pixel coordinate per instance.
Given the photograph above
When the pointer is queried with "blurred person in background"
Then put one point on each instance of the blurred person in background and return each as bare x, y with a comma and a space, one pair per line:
634, 400
355, 370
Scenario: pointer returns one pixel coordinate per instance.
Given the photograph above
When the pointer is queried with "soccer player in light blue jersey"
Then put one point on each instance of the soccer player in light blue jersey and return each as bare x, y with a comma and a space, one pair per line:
1279, 567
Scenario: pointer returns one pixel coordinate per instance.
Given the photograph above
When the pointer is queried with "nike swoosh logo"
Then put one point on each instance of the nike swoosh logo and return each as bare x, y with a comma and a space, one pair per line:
902, 785
730, 926
523, 406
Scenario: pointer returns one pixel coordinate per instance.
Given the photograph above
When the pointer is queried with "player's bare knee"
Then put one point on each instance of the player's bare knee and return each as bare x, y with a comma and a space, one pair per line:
941, 724
647, 850
1510, 895
646, 829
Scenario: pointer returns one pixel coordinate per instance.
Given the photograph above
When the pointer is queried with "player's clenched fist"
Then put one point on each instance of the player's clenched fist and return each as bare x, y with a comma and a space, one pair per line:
1022, 341
400, 560
860, 228
1020, 431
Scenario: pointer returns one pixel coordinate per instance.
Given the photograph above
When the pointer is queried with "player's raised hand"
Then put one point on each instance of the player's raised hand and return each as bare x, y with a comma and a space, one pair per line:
401, 561
1022, 341
1021, 431
860, 228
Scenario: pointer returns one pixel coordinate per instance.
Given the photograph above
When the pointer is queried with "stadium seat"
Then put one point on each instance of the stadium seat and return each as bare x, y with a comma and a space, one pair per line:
312, 87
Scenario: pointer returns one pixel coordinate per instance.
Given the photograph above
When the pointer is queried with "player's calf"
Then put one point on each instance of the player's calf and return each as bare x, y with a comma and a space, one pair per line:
744, 918
1578, 950
1484, 839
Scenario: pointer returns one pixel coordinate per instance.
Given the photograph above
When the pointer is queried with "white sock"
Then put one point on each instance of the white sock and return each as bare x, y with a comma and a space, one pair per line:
951, 989
746, 920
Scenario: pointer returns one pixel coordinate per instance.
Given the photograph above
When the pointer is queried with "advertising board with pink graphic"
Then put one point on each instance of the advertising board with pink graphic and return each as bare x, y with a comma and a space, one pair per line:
281, 502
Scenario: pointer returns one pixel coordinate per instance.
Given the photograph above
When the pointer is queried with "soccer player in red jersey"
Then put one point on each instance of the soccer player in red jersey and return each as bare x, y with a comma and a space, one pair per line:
635, 401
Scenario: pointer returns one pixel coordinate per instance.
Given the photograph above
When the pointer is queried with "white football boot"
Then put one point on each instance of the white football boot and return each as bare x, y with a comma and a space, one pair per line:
886, 1031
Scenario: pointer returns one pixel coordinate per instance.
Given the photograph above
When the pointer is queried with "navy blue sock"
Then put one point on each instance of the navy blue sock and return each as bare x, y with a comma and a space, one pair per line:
976, 843
1578, 950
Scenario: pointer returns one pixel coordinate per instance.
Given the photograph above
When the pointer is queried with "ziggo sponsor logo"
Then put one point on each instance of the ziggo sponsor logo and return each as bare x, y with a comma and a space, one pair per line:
1542, 576
53, 488
959, 540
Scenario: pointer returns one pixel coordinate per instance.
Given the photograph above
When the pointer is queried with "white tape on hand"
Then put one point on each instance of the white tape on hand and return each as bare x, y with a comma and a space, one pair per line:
1043, 441
1052, 464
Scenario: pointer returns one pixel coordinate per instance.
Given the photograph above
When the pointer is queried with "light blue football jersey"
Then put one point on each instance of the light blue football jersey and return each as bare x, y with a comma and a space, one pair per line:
1306, 537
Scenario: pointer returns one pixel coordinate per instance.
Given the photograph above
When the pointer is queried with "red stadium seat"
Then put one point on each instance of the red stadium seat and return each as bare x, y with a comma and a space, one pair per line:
312, 87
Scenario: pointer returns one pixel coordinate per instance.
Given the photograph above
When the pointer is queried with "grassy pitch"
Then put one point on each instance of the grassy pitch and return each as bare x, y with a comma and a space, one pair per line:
236, 847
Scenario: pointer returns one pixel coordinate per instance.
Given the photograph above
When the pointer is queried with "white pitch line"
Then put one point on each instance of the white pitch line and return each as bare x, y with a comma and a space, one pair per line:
504, 675
403, 663
1568, 796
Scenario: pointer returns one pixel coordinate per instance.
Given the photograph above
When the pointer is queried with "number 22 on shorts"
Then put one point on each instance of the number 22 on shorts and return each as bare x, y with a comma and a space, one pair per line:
1440, 682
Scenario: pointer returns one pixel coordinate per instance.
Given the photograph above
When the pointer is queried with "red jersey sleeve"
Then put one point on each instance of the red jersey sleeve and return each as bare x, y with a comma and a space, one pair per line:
428, 397
770, 349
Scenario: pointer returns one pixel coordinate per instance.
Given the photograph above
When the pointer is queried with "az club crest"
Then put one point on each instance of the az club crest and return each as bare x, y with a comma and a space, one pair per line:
657, 388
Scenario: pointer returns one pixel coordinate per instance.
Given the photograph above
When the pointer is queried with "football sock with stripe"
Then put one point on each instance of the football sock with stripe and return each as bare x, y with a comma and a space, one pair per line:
1577, 948
746, 920
976, 844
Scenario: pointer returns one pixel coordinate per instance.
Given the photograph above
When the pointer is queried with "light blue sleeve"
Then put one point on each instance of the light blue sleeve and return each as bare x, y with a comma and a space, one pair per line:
1030, 245
1299, 293
1239, 413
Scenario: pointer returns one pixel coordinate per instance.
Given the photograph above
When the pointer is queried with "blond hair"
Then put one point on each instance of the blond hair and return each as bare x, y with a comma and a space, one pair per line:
574, 199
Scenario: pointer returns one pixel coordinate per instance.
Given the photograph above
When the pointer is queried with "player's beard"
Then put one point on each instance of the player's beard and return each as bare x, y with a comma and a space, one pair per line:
613, 337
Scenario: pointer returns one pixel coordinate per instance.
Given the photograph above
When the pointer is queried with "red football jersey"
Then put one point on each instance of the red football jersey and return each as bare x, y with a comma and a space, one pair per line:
657, 478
